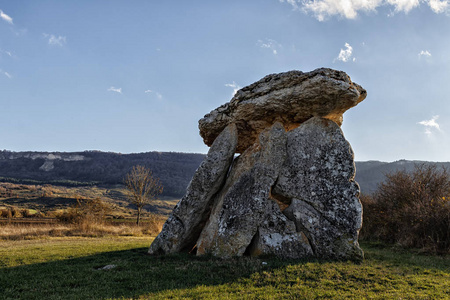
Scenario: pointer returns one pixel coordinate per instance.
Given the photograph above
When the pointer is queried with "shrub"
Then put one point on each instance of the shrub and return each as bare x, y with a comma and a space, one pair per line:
26, 213
10, 212
411, 209
86, 211
6, 213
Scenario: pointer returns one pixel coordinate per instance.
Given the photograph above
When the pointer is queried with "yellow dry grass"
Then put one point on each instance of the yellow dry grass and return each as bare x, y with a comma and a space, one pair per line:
85, 229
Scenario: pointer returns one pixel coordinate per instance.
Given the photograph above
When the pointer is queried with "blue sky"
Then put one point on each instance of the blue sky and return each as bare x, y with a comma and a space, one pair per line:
136, 76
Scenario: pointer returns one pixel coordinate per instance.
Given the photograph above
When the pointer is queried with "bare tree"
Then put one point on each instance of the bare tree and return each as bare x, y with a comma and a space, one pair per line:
142, 187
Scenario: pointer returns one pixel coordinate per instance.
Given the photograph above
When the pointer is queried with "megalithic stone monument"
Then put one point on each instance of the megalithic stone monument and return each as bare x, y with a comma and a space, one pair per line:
291, 191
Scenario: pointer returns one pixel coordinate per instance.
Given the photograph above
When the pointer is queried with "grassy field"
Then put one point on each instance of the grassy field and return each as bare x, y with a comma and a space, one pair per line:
70, 268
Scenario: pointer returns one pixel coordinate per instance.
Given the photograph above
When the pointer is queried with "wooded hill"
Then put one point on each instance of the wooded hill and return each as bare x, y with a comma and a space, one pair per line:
174, 169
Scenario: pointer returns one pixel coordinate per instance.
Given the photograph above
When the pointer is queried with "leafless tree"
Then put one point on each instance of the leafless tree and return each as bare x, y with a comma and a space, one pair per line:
142, 187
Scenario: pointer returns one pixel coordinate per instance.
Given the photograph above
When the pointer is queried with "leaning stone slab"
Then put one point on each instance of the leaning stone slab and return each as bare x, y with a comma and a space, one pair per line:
318, 178
241, 209
290, 98
182, 228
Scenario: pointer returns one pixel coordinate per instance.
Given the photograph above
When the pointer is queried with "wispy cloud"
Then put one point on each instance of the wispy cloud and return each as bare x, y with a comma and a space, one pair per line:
158, 95
430, 125
113, 89
270, 44
425, 53
5, 73
349, 9
9, 53
234, 86
55, 40
291, 2
403, 5
5, 17
346, 54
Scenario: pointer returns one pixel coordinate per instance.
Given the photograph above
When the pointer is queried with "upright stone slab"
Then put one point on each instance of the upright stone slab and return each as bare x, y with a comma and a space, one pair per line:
318, 177
181, 230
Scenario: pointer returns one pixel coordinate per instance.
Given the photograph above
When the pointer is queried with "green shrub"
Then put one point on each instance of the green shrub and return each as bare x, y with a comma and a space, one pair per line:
411, 209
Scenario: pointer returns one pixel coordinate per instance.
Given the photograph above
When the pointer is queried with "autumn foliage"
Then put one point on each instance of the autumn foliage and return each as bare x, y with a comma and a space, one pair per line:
411, 209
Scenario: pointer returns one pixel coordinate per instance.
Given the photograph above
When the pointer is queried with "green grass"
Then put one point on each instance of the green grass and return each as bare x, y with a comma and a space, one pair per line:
67, 269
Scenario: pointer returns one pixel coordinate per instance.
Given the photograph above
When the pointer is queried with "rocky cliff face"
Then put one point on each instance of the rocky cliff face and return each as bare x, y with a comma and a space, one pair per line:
291, 192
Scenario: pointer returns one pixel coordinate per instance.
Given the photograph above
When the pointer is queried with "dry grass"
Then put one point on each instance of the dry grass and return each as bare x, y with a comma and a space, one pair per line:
84, 229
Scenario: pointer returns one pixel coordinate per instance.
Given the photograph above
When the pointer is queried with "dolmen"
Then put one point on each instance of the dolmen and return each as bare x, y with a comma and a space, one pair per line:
278, 178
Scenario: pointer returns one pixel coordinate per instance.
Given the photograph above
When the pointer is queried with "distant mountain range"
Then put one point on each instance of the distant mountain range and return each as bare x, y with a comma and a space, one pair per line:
174, 169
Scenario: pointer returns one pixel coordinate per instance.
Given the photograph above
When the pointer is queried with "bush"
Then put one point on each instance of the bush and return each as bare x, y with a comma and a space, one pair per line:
86, 211
10, 212
411, 209
6, 213
26, 213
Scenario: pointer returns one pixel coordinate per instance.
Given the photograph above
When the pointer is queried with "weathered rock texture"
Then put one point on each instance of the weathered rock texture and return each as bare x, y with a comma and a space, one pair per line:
185, 223
291, 193
290, 98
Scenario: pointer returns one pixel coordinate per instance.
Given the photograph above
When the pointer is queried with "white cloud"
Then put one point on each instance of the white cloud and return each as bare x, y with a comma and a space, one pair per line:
158, 95
439, 6
270, 44
55, 40
345, 55
5, 17
323, 9
425, 53
403, 5
113, 89
234, 86
430, 125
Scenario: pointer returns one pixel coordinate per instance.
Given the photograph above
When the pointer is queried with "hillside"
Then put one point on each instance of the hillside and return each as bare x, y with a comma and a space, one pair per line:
100, 168
174, 169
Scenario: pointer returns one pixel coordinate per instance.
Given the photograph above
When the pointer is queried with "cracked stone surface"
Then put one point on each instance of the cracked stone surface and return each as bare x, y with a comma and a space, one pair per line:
240, 210
318, 175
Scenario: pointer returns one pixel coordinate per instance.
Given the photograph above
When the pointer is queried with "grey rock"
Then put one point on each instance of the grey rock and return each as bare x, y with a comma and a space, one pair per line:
107, 267
278, 236
242, 206
183, 227
291, 193
318, 177
289, 98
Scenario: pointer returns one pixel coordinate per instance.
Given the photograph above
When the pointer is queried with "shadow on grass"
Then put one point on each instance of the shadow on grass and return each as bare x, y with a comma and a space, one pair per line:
139, 274
136, 273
